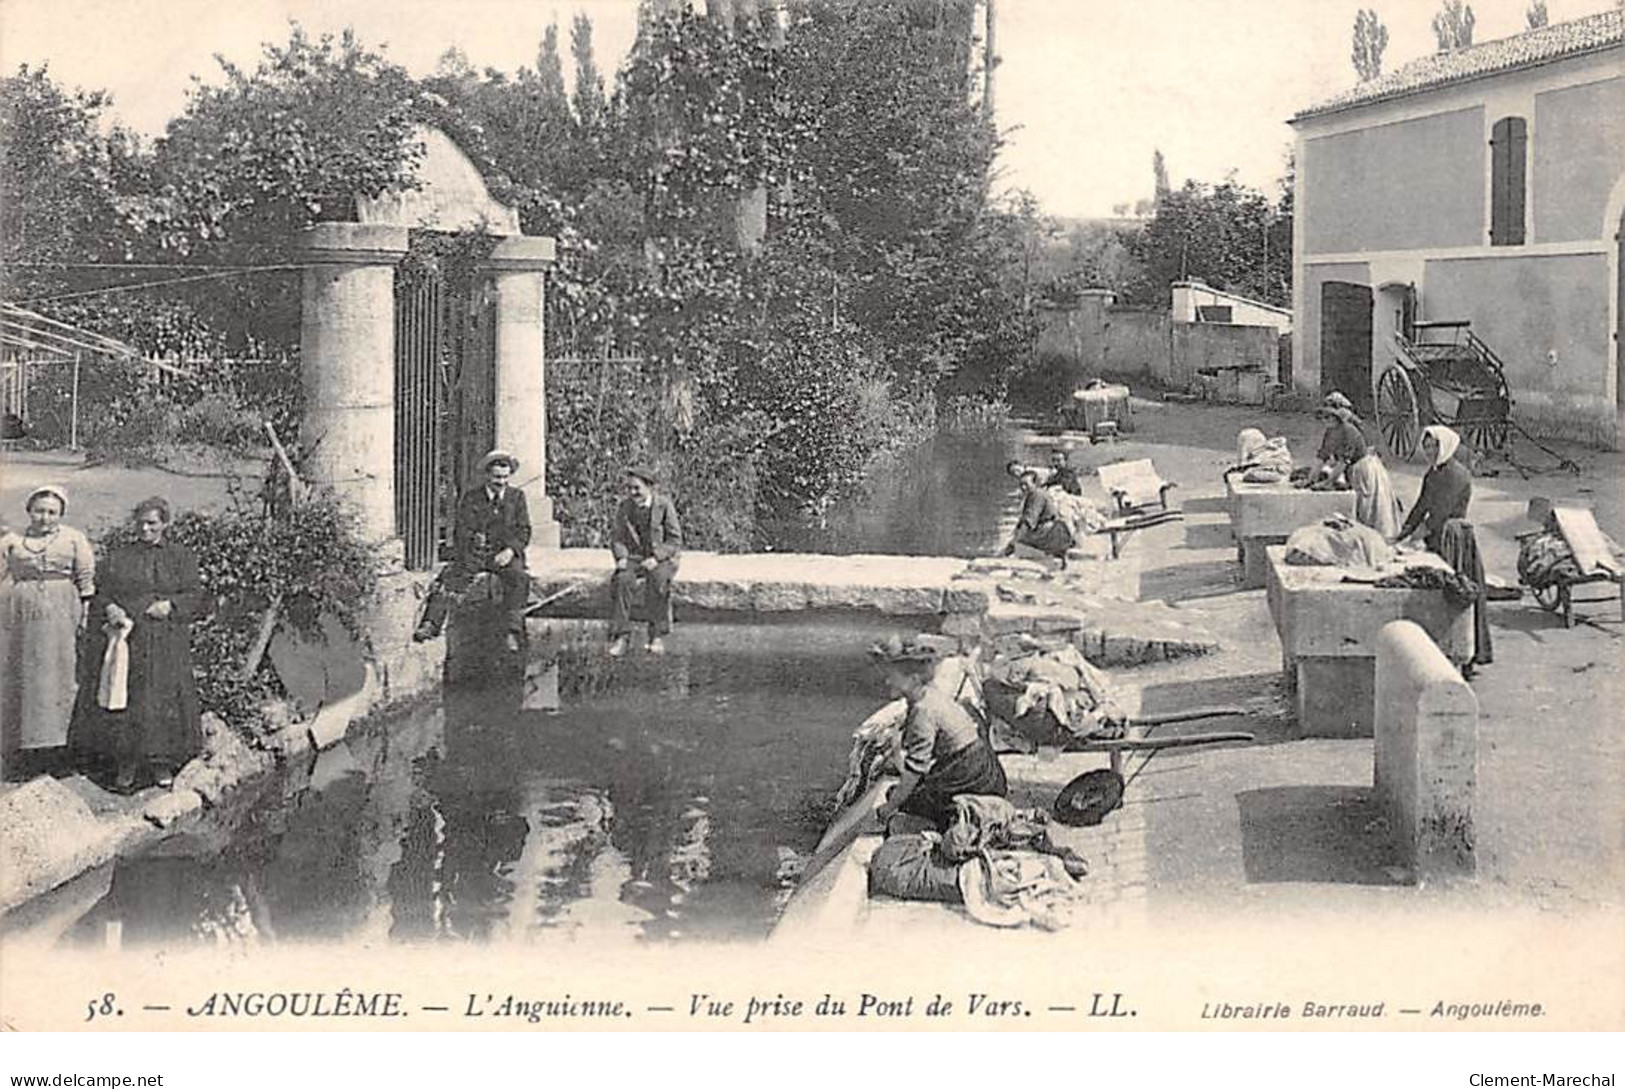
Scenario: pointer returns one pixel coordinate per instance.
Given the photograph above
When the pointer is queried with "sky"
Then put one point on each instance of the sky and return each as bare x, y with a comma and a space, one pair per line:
1086, 90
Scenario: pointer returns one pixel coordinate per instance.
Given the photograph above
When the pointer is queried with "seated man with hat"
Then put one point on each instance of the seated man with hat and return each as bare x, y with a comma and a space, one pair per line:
646, 542
490, 535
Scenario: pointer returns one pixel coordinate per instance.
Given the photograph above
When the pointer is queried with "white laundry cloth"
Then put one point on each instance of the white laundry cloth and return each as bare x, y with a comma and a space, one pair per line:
113, 693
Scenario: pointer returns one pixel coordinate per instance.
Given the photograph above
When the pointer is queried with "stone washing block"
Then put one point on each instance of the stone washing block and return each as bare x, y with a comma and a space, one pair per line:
717, 596
48, 835
776, 597
1275, 510
1425, 754
1335, 697
1255, 560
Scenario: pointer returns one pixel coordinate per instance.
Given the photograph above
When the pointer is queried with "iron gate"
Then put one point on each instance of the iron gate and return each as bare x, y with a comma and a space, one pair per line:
420, 365
444, 406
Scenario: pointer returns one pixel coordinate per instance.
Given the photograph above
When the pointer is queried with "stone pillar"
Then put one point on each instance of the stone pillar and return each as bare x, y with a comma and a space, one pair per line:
1426, 753
518, 267
347, 364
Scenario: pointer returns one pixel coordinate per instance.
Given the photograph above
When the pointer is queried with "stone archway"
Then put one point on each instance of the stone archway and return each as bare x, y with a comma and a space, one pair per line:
348, 337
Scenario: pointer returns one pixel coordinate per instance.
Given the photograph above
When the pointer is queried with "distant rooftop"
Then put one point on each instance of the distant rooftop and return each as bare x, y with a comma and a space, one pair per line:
1576, 37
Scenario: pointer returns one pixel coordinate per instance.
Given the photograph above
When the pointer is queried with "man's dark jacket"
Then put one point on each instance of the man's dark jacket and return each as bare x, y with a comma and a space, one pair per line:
664, 540
503, 523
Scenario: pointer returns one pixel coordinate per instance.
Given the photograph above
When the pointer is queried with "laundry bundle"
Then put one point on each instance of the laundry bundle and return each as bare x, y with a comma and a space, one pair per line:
1260, 460
1338, 541
1051, 697
113, 686
1079, 515
995, 859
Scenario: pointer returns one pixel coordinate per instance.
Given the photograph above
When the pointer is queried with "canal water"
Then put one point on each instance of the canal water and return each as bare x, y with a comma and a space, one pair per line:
643, 799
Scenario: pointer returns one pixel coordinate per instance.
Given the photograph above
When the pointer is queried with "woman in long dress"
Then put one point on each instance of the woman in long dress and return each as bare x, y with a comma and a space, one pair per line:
1345, 454
1447, 489
49, 573
151, 591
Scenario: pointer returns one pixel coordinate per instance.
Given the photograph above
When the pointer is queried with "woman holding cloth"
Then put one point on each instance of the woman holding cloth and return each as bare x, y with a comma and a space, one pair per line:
49, 572
1446, 489
945, 751
150, 594
1344, 454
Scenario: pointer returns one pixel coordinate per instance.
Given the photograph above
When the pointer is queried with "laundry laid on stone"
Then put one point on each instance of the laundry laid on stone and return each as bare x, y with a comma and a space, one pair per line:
1261, 460
1338, 541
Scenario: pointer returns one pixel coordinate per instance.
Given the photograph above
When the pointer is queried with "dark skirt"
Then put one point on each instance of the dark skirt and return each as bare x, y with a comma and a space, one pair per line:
1052, 538
975, 769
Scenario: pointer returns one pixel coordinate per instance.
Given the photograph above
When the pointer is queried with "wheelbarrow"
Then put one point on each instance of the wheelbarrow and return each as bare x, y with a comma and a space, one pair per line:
1088, 799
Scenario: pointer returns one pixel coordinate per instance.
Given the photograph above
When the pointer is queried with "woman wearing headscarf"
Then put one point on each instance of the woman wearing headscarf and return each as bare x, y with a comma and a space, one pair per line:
1345, 454
945, 750
149, 595
49, 573
1446, 489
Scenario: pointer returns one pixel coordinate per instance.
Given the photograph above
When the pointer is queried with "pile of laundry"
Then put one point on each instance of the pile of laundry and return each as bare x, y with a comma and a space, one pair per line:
995, 859
1338, 541
1043, 696
1079, 515
1260, 460
1458, 589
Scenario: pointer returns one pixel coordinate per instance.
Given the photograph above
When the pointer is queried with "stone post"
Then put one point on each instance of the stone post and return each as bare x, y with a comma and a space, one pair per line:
518, 267
1426, 754
347, 364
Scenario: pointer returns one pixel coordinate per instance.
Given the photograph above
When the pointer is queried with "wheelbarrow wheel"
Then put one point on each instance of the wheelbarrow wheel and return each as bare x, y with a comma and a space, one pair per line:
1548, 597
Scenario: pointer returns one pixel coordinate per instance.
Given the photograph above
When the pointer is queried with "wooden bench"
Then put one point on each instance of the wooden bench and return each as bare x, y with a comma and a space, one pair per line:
1119, 528
1135, 485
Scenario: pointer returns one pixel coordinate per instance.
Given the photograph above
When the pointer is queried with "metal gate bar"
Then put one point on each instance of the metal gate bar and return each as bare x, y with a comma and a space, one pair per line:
419, 346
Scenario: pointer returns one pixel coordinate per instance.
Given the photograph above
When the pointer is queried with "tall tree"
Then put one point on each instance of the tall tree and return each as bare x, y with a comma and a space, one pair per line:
990, 59
1537, 16
589, 101
1453, 25
1370, 40
1159, 173
1226, 235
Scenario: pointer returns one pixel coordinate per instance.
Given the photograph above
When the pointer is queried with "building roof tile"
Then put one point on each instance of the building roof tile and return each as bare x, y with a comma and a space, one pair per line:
1577, 36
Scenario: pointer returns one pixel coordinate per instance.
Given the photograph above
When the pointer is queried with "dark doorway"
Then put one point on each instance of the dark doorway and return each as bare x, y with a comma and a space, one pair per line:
1345, 342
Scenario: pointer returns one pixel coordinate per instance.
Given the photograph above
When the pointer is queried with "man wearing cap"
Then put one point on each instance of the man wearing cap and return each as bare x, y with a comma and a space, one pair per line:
491, 534
646, 542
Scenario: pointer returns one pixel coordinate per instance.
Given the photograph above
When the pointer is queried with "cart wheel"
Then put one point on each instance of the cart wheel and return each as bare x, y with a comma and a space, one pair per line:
1397, 415
1486, 436
1548, 598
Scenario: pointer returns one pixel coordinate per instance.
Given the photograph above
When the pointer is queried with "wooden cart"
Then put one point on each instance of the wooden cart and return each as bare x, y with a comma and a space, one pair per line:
1443, 375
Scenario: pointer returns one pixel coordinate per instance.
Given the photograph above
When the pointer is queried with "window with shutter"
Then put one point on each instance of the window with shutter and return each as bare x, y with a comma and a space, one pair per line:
1507, 157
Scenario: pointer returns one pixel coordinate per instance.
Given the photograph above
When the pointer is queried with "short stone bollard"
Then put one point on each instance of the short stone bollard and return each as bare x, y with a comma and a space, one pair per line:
1426, 745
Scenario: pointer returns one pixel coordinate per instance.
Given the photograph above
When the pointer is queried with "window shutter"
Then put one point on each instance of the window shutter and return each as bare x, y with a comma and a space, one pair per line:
1507, 156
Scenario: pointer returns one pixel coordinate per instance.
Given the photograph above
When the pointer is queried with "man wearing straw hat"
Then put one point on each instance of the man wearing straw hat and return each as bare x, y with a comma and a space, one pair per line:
647, 540
491, 534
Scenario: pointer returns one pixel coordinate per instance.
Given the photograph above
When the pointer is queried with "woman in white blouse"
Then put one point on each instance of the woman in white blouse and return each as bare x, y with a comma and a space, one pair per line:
47, 574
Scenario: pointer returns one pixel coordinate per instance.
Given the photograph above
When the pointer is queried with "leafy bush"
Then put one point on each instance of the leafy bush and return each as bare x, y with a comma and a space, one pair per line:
310, 559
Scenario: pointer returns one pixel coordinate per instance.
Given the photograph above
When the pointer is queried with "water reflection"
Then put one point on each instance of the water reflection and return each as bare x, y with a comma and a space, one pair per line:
646, 799
943, 498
